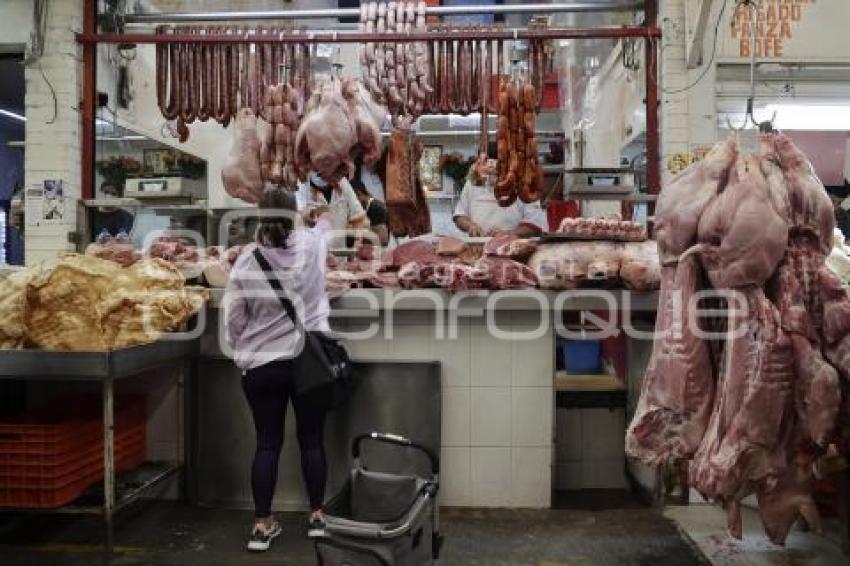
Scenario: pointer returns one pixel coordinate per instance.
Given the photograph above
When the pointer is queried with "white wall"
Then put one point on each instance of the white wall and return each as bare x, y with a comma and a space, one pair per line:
15, 24
53, 138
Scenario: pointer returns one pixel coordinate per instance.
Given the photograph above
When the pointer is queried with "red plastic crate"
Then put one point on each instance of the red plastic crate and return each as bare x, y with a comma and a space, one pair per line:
54, 433
25, 466
50, 458
56, 493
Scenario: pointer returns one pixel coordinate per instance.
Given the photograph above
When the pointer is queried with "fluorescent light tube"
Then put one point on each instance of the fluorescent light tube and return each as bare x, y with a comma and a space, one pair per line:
13, 115
823, 117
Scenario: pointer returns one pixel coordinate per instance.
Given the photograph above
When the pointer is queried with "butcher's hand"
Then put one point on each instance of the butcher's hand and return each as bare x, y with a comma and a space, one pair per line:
496, 232
313, 214
317, 212
475, 231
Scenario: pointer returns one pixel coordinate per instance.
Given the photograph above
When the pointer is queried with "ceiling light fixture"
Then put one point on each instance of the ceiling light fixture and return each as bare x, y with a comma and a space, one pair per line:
13, 115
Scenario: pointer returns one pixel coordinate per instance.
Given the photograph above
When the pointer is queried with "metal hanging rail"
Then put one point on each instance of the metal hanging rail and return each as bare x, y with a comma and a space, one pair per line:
90, 38
302, 37
571, 7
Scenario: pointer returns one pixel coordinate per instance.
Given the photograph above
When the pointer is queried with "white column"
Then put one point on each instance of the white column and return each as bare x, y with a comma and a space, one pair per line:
689, 107
53, 136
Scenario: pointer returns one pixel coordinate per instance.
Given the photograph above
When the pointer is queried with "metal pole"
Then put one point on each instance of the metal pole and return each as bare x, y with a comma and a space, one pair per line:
88, 103
358, 37
108, 462
571, 7
653, 142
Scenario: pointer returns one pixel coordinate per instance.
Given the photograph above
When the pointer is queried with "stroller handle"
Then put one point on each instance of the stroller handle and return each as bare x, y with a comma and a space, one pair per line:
398, 441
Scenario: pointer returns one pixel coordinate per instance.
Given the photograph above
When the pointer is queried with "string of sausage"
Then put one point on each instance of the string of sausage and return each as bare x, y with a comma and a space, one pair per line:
483, 55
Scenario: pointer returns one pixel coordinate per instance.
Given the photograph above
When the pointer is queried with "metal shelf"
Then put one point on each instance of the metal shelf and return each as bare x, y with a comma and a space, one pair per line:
171, 205
93, 366
129, 486
604, 195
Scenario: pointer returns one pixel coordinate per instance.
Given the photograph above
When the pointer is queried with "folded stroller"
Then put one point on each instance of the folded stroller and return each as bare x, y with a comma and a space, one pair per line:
381, 519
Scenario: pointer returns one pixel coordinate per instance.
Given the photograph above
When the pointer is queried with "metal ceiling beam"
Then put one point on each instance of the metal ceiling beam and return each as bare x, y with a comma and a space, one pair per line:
537, 9
358, 37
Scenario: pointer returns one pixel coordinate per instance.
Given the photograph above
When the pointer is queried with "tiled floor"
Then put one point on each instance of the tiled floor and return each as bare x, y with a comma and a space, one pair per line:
169, 534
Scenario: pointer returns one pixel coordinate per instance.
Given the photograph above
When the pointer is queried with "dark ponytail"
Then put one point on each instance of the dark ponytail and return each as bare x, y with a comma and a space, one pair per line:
274, 231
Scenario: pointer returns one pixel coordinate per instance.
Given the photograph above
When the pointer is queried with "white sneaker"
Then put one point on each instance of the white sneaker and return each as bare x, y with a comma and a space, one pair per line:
261, 539
316, 528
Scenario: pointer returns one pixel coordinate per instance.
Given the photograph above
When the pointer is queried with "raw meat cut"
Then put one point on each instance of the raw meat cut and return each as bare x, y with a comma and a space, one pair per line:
511, 247
569, 265
415, 265
120, 251
742, 448
408, 213
503, 273
241, 172
760, 226
603, 229
639, 266
678, 387
450, 246
414, 250
335, 128
682, 202
742, 238
811, 208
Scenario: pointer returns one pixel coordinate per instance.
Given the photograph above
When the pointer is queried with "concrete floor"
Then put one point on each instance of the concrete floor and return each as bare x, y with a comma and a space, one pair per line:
705, 525
171, 534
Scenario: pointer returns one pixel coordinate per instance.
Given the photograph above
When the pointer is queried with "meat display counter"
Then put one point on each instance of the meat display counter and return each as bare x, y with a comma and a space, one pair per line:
107, 368
495, 354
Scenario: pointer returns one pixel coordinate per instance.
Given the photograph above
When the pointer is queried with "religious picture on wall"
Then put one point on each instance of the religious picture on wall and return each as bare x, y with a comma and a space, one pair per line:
158, 161
53, 202
429, 168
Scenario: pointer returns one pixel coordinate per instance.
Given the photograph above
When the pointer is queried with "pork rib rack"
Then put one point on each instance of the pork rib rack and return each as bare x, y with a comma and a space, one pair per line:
751, 398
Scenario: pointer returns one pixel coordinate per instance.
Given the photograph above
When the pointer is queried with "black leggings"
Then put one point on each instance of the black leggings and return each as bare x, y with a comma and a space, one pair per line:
268, 390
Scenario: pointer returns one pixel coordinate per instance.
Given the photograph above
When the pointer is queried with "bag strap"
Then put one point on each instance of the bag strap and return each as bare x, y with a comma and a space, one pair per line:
275, 284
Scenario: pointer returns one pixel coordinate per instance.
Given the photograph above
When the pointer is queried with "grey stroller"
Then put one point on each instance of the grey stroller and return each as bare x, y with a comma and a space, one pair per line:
381, 519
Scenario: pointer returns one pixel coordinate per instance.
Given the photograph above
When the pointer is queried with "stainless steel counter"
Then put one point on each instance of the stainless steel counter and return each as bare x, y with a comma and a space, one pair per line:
474, 303
94, 366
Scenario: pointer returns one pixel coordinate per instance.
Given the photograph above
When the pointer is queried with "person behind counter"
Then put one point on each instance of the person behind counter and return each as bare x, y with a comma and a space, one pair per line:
339, 199
840, 196
264, 340
111, 220
376, 211
478, 212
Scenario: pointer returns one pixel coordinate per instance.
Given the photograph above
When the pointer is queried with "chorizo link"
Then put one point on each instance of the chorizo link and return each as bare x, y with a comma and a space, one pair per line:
451, 91
233, 71
205, 62
165, 78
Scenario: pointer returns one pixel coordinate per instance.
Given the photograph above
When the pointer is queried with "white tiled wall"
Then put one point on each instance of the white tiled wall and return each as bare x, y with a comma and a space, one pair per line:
590, 450
498, 406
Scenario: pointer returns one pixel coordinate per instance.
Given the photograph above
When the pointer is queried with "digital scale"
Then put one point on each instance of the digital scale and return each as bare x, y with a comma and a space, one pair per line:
598, 181
164, 187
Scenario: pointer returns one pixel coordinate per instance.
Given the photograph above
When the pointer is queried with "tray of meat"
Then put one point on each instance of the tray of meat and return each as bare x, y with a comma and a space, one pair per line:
597, 229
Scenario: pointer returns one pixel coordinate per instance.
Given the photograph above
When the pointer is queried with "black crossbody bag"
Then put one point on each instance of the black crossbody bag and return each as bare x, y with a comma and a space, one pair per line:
323, 369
